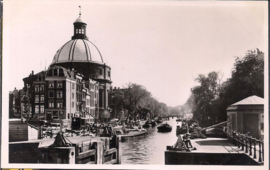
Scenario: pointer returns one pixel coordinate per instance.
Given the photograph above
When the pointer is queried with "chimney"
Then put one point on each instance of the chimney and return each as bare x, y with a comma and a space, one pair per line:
32, 72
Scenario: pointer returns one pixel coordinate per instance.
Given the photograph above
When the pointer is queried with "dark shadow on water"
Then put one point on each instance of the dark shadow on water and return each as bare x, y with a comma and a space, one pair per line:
214, 142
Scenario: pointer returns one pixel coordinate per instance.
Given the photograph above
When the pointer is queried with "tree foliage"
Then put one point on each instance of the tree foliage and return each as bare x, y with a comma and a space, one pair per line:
211, 98
205, 95
138, 101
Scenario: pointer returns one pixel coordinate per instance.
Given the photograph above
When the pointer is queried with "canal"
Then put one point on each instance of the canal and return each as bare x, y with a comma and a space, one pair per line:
148, 149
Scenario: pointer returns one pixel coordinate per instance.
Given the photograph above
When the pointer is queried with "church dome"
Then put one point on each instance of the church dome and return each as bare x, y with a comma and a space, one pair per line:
78, 50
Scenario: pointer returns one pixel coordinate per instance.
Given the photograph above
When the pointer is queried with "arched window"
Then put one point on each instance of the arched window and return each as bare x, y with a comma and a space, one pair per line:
61, 72
55, 72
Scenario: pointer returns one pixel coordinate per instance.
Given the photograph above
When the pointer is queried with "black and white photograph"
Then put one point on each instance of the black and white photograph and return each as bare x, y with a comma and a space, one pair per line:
135, 84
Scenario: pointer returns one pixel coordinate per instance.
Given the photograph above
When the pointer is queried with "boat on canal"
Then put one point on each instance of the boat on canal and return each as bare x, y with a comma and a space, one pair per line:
159, 120
133, 133
164, 128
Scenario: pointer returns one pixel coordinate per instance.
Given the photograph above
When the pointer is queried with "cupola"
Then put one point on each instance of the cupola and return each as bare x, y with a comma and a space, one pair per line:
79, 28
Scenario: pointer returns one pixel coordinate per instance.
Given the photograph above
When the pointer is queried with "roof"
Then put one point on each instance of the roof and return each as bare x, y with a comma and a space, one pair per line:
249, 103
252, 100
79, 20
78, 50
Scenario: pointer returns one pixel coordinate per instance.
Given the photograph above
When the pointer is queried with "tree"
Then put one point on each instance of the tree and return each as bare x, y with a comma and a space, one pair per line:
133, 96
205, 95
117, 102
247, 80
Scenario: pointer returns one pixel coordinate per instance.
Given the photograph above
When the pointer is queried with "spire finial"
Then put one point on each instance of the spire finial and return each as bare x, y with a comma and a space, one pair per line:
80, 12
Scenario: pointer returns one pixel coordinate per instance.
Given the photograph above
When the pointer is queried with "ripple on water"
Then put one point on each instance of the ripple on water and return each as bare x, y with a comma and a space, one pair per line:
148, 149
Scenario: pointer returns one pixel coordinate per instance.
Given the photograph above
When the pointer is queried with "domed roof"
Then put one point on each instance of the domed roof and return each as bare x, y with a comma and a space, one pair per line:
78, 50
78, 20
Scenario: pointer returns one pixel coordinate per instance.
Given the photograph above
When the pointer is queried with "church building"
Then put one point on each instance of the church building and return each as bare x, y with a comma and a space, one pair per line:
77, 82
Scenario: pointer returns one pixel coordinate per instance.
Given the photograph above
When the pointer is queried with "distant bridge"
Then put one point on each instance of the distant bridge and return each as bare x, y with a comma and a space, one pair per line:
172, 115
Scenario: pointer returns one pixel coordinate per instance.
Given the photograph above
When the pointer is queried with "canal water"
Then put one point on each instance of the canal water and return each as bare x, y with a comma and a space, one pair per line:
148, 149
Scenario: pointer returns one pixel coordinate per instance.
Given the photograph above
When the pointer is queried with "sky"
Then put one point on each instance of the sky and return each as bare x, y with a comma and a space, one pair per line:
162, 45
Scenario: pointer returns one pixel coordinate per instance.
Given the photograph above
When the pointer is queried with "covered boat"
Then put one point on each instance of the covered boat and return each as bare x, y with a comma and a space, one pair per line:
164, 128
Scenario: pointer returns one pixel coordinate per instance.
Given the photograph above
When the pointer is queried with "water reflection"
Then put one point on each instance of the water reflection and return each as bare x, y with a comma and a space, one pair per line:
148, 149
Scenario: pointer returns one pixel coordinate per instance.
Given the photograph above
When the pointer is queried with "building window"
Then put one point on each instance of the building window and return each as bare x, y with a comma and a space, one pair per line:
59, 104
61, 72
36, 98
41, 108
77, 31
51, 84
55, 72
109, 73
72, 85
100, 98
36, 88
100, 72
51, 94
72, 104
59, 94
82, 31
37, 109
42, 98
59, 84
68, 115
72, 95
41, 88
51, 104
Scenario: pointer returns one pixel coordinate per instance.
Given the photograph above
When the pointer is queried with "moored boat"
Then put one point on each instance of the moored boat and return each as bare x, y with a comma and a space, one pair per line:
133, 133
159, 121
164, 128
146, 125
153, 123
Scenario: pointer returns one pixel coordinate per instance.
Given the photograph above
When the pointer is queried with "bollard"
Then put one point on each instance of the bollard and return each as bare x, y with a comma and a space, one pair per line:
234, 142
242, 142
250, 146
118, 139
260, 155
246, 143
238, 140
254, 156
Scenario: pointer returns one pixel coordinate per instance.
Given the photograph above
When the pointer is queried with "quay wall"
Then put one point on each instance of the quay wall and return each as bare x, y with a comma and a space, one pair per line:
189, 158
23, 152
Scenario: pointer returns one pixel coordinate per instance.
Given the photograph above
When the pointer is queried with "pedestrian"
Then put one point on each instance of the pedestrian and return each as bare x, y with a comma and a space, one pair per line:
180, 143
187, 141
